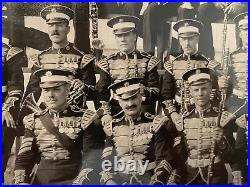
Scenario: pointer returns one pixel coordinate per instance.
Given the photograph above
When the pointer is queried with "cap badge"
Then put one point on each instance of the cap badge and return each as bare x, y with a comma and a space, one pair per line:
198, 71
186, 24
53, 10
48, 73
121, 20
126, 84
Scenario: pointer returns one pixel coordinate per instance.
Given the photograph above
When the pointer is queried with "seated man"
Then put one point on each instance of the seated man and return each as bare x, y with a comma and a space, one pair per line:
54, 137
138, 147
205, 142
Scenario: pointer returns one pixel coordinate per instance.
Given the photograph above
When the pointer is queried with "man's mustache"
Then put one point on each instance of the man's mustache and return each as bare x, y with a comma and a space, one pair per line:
54, 33
131, 107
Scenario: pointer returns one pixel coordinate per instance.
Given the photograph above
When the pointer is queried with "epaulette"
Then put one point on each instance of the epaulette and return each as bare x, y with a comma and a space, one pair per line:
159, 121
168, 66
242, 121
149, 116
226, 117
34, 59
88, 117
29, 121
152, 63
86, 59
108, 128
12, 52
212, 64
103, 65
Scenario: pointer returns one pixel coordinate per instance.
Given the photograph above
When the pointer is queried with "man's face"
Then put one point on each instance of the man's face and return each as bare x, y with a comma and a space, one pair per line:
55, 98
201, 93
4, 53
189, 44
58, 32
126, 41
244, 36
131, 106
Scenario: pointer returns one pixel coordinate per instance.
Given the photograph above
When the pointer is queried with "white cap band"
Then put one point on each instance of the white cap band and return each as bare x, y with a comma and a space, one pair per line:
54, 78
199, 76
54, 15
126, 89
187, 29
123, 25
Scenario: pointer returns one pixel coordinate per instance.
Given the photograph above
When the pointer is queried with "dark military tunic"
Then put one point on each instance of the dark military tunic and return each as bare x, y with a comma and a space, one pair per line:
174, 89
146, 139
237, 103
12, 88
196, 142
118, 67
67, 57
59, 159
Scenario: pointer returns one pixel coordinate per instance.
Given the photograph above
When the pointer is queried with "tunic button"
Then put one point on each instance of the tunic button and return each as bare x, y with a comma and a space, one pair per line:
54, 158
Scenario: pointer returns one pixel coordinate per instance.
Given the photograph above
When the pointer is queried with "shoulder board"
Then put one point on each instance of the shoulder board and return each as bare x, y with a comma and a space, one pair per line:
152, 63
186, 114
226, 117
29, 121
112, 55
205, 58
242, 121
213, 64
12, 52
46, 50
74, 47
88, 117
159, 121
103, 65
168, 66
177, 58
149, 116
86, 59
144, 54
117, 120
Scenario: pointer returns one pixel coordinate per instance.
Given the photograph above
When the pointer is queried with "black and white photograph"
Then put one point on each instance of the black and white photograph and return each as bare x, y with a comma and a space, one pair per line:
125, 93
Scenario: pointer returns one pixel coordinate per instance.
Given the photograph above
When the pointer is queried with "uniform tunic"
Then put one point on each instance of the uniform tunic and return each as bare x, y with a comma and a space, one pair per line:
174, 89
147, 138
118, 66
238, 103
196, 142
12, 88
67, 57
59, 163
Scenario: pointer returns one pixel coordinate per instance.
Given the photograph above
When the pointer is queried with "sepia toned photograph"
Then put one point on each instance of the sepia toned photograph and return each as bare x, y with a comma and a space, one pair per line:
125, 93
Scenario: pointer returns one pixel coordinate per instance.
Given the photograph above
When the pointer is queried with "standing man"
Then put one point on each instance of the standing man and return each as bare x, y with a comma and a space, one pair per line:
12, 89
54, 137
62, 53
207, 134
237, 103
127, 62
140, 142
175, 96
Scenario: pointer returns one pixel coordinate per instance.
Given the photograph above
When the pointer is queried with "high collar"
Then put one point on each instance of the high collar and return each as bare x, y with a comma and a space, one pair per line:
67, 46
204, 111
